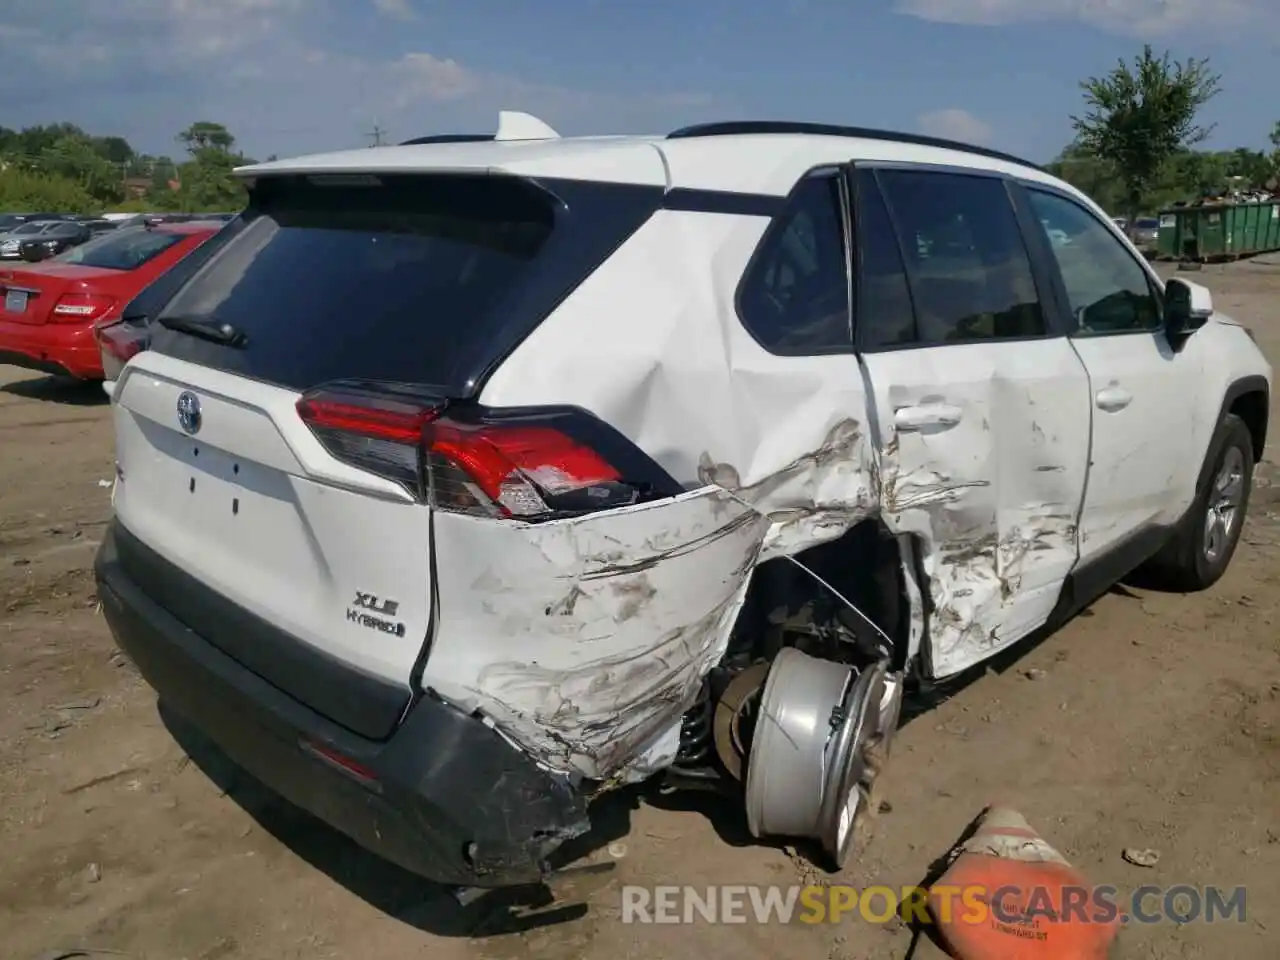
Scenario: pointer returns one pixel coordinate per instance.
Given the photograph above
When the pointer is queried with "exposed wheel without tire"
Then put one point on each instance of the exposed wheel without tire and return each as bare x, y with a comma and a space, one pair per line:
821, 738
1206, 540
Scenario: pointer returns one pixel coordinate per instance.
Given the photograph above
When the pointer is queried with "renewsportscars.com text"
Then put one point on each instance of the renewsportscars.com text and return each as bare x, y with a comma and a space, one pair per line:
744, 903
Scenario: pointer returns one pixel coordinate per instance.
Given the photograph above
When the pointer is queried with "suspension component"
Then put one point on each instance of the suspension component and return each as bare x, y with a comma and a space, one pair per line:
695, 732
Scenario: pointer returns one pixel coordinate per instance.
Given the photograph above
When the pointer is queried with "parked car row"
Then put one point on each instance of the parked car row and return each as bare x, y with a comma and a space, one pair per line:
52, 307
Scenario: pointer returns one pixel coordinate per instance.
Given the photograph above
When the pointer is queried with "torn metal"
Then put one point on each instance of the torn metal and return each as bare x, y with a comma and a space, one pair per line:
597, 630
814, 445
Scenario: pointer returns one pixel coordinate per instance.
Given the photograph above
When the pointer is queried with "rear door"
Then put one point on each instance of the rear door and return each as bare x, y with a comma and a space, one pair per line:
982, 406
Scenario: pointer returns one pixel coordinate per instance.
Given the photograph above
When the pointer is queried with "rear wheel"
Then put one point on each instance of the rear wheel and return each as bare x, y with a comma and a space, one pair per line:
1206, 540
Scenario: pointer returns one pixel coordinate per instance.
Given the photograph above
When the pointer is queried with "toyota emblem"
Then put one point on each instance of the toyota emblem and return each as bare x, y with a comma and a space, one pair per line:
189, 412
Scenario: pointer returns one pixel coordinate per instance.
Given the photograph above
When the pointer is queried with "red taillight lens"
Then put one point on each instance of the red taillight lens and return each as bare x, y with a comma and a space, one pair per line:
81, 306
520, 470
117, 342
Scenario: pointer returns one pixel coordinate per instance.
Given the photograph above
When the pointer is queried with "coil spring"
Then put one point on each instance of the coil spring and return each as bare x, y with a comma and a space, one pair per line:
696, 731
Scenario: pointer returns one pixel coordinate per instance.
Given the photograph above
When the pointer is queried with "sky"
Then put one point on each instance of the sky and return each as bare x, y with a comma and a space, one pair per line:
298, 76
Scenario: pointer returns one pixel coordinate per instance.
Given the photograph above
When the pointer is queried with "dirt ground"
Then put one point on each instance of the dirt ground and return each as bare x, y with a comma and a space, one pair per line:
1151, 721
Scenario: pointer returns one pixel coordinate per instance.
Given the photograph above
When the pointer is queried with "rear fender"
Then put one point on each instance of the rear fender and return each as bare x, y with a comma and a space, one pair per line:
585, 639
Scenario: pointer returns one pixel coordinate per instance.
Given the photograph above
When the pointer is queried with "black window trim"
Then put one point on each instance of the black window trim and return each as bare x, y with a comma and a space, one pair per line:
1066, 318
1042, 273
779, 223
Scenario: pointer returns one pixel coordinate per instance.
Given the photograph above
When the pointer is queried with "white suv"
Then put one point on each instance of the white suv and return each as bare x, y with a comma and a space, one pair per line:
464, 480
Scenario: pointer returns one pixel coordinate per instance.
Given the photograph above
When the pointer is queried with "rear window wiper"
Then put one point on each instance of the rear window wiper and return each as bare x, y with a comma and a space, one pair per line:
209, 328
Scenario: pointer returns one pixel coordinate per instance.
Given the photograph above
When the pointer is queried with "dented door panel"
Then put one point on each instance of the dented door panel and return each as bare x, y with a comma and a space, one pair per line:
585, 639
983, 455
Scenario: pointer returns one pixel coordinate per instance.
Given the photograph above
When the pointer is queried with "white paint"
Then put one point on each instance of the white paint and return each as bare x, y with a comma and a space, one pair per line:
984, 450
298, 548
586, 639
682, 378
514, 125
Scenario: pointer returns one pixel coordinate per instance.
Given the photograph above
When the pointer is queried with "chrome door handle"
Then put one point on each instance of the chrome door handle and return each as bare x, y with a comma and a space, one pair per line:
927, 415
1113, 398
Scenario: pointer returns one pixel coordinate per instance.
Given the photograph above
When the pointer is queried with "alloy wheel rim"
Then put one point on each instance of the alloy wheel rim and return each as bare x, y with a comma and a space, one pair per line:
1223, 512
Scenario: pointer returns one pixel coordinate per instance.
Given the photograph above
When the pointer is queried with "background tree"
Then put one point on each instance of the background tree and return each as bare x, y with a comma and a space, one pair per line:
1275, 151
203, 135
1141, 116
28, 190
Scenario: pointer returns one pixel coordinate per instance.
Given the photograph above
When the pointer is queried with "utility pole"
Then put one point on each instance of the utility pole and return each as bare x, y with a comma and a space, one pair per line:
376, 134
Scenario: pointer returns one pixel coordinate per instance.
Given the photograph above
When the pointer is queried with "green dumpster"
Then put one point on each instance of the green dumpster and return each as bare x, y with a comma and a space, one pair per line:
1211, 232
1272, 241
1219, 230
1168, 241
1245, 228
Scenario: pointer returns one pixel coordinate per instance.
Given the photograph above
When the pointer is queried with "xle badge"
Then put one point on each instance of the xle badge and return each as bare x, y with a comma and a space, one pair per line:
371, 620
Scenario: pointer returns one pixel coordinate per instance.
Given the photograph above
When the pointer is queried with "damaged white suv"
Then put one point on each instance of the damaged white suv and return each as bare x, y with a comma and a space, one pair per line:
461, 481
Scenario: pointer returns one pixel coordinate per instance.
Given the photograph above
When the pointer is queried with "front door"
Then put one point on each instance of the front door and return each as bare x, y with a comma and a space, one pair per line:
982, 408
1142, 391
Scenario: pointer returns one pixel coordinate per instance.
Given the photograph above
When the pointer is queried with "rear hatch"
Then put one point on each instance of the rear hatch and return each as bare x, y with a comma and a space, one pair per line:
297, 546
52, 291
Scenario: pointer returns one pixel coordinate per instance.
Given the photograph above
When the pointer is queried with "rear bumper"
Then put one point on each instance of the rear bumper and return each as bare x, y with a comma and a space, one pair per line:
62, 349
445, 796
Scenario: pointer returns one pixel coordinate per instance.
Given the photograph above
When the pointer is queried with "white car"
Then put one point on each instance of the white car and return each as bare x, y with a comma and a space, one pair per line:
468, 480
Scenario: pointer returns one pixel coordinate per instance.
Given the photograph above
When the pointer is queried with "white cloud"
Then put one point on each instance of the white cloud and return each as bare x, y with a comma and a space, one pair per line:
396, 9
279, 75
954, 124
1139, 18
422, 77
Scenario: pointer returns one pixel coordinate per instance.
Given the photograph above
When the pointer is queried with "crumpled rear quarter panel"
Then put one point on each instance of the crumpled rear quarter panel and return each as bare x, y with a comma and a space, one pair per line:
585, 639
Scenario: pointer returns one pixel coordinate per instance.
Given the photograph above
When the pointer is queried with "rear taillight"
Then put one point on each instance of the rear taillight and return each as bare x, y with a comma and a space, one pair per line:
117, 342
82, 306
521, 469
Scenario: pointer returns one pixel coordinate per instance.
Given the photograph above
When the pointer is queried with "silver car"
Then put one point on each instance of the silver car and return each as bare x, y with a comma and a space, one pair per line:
1145, 231
9, 242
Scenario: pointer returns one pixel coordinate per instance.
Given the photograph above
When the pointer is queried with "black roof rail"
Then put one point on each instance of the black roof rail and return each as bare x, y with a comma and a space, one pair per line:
449, 138
741, 127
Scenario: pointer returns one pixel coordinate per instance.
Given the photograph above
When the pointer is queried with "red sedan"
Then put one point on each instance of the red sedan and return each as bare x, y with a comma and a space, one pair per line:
50, 309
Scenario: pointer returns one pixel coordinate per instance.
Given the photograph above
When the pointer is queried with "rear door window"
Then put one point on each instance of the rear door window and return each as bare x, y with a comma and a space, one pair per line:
968, 268
388, 278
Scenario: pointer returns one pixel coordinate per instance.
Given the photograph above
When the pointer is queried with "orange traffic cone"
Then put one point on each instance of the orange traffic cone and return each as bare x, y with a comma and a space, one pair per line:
1009, 895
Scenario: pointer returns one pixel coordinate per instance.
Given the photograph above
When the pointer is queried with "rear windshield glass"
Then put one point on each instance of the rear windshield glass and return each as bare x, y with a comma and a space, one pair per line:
125, 249
1148, 224
362, 278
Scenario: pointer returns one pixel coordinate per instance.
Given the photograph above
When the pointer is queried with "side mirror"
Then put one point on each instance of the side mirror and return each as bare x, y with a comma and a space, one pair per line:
1187, 307
34, 253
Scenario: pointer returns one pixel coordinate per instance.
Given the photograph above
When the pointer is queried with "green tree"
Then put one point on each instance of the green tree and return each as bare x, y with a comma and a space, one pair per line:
208, 184
1089, 174
1275, 152
204, 135
114, 150
1141, 116
28, 190
75, 159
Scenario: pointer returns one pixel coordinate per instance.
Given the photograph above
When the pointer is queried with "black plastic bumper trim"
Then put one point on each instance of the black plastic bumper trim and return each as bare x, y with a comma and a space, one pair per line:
454, 802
